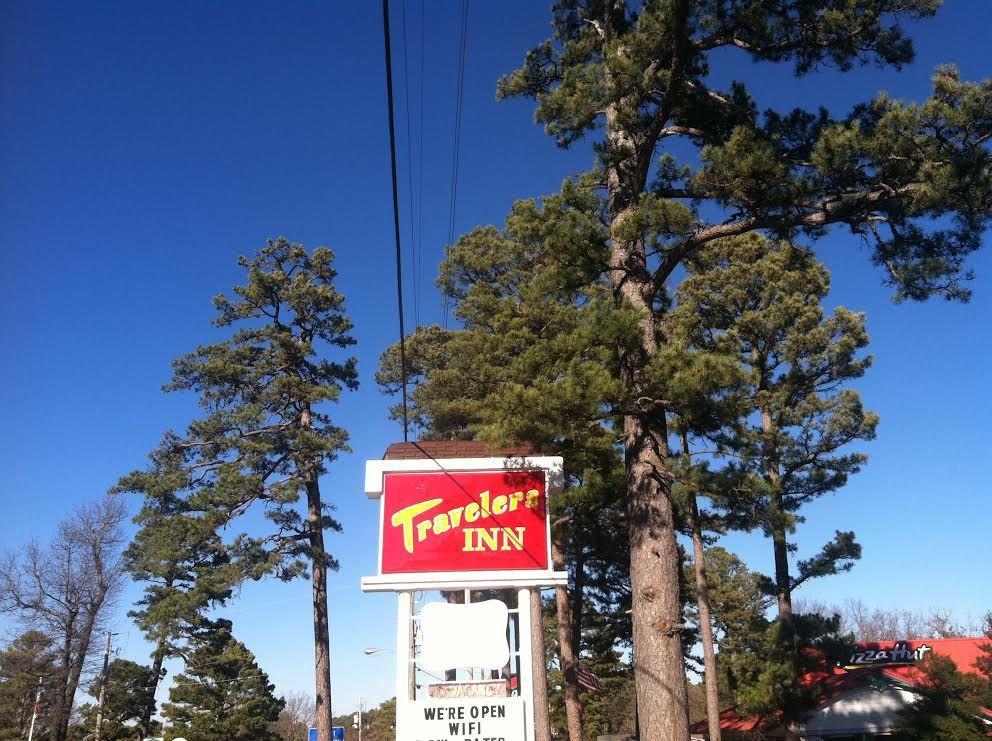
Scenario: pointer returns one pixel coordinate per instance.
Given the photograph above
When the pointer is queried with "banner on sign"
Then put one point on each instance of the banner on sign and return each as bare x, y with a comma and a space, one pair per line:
464, 720
464, 635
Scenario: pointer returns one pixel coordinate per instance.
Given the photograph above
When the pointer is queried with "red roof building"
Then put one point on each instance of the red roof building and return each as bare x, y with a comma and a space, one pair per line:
863, 699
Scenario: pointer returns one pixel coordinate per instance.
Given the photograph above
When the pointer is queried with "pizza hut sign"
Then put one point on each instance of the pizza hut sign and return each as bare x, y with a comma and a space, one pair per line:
443, 521
901, 654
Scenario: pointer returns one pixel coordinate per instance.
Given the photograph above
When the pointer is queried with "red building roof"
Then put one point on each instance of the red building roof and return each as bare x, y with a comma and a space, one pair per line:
835, 681
962, 651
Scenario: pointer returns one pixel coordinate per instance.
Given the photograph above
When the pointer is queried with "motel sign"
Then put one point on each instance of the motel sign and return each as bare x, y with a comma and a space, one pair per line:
464, 526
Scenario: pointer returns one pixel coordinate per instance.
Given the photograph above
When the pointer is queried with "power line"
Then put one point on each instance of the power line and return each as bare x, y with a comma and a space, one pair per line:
459, 96
396, 210
420, 147
409, 172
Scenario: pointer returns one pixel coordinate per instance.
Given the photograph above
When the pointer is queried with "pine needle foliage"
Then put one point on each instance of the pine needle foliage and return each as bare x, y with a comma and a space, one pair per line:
913, 180
261, 444
222, 695
949, 704
761, 303
129, 691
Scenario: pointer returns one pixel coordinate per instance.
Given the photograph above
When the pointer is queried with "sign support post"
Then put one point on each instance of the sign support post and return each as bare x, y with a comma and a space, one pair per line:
525, 662
404, 659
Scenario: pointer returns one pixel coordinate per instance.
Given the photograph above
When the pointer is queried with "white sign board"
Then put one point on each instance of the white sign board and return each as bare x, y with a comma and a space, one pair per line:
472, 635
477, 719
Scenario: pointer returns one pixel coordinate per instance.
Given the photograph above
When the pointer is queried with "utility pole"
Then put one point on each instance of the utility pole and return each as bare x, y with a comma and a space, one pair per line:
361, 707
34, 715
103, 688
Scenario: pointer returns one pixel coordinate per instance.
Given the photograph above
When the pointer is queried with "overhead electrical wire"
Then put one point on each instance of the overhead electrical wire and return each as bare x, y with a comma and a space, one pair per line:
456, 146
420, 145
415, 281
396, 212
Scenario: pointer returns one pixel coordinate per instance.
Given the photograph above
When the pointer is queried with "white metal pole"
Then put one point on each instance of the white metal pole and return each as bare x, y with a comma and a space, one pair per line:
404, 655
525, 662
34, 714
412, 642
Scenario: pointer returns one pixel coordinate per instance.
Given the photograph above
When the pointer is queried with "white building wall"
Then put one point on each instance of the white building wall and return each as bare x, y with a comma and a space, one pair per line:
862, 710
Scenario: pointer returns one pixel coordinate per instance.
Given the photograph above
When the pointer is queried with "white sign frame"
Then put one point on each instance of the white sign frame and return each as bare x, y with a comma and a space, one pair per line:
554, 481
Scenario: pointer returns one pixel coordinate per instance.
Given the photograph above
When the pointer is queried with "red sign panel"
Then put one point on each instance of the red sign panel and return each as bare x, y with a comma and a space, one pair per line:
471, 521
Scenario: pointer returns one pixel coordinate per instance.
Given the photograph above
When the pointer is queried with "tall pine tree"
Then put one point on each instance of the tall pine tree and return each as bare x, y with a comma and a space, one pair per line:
637, 77
760, 303
265, 435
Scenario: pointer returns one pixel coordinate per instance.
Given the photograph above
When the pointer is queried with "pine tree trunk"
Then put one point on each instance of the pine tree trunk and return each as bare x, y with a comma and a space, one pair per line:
566, 653
321, 633
783, 579
655, 563
705, 626
539, 669
157, 659
705, 617
578, 601
659, 670
783, 597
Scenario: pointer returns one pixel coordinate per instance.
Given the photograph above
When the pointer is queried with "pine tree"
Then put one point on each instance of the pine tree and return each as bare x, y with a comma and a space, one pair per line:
948, 705
760, 302
129, 691
638, 73
222, 695
984, 662
178, 554
26, 659
382, 722
263, 441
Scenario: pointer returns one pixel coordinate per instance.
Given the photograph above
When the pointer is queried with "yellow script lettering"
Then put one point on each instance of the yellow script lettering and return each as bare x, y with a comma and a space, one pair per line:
441, 523
472, 512
404, 519
422, 528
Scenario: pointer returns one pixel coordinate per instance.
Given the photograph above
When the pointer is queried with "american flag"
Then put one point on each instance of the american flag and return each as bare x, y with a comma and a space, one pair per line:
587, 679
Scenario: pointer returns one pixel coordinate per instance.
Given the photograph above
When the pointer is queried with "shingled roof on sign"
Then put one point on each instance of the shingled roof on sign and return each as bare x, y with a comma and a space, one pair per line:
457, 449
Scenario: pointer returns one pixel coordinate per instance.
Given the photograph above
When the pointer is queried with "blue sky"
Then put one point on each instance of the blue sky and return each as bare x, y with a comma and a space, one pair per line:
143, 146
